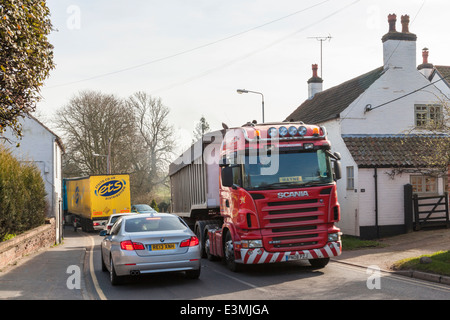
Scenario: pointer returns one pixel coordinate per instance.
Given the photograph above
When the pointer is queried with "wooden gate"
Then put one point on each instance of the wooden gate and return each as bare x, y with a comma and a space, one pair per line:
430, 211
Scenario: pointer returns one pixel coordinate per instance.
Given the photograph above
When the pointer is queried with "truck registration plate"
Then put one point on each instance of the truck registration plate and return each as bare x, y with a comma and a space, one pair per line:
162, 246
296, 256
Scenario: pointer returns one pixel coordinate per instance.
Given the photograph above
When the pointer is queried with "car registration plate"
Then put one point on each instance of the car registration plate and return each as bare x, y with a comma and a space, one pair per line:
161, 246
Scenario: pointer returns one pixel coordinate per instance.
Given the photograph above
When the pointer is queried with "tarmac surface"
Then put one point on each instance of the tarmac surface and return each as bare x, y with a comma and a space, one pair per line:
47, 274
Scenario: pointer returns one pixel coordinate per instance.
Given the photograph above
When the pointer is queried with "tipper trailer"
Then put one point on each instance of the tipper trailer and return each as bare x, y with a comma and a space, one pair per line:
261, 194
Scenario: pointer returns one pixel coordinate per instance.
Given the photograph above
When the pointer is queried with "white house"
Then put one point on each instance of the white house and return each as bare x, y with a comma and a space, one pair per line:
44, 148
367, 119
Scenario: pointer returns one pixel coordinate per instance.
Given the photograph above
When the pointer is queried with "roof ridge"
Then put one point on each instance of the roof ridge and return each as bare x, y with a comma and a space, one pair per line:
329, 103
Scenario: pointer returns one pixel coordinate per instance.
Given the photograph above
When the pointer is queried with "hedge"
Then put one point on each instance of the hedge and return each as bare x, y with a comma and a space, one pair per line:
22, 196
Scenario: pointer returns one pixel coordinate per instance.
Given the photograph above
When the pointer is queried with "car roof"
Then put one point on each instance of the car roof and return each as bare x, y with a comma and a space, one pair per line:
149, 215
123, 214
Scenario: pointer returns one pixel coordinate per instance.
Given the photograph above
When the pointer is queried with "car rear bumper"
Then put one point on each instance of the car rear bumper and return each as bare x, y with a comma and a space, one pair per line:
259, 255
128, 262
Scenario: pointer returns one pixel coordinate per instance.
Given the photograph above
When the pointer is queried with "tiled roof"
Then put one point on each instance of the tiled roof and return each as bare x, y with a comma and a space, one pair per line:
394, 151
329, 103
444, 71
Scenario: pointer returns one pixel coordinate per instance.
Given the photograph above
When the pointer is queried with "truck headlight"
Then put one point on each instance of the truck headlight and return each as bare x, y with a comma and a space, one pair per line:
250, 244
332, 237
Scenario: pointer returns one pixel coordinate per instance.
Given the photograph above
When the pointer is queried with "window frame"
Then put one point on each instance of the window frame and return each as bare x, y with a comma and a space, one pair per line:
424, 114
424, 185
350, 177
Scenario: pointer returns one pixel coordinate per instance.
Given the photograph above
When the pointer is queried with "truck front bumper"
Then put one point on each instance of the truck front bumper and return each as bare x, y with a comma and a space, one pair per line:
259, 255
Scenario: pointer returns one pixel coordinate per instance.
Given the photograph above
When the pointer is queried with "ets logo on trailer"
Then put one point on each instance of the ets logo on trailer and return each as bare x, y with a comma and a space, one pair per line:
110, 189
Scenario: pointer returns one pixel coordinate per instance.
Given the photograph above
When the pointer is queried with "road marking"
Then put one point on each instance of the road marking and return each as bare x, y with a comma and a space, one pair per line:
92, 271
241, 281
400, 278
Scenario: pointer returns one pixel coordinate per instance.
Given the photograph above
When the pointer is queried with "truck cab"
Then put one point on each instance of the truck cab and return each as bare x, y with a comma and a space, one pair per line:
278, 194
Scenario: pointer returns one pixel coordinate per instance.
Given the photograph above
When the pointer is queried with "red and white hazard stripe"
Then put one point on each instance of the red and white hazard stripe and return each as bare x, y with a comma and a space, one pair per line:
259, 256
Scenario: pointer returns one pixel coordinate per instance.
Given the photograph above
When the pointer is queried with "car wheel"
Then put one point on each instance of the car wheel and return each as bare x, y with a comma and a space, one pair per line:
193, 274
103, 261
115, 280
229, 254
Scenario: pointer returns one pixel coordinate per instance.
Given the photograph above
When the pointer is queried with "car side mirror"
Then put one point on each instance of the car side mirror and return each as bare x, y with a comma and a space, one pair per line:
103, 233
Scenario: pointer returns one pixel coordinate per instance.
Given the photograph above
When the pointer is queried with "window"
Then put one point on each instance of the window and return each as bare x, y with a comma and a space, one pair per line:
424, 184
350, 178
426, 115
157, 223
294, 169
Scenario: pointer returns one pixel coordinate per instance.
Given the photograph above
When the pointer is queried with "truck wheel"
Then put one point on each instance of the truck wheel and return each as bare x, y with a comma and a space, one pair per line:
228, 249
208, 248
319, 263
199, 232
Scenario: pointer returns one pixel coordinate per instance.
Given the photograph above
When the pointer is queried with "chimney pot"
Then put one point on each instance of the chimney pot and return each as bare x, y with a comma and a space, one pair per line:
314, 83
425, 55
314, 70
405, 23
392, 19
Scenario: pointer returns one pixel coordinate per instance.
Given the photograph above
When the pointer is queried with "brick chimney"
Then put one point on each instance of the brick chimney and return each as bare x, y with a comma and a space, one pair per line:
399, 48
425, 68
314, 83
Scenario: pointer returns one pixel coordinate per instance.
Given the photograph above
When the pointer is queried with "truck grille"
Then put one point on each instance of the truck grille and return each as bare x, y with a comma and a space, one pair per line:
288, 225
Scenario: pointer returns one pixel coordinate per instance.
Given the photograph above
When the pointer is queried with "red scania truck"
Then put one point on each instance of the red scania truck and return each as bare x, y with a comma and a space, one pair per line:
261, 193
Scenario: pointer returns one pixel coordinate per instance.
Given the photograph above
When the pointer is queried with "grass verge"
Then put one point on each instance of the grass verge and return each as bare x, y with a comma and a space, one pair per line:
440, 263
354, 243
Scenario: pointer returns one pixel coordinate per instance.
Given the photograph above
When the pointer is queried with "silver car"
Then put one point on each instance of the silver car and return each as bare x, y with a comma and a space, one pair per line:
150, 243
113, 218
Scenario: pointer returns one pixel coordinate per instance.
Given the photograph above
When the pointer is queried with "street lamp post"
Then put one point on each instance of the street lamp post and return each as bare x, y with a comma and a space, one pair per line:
108, 157
241, 91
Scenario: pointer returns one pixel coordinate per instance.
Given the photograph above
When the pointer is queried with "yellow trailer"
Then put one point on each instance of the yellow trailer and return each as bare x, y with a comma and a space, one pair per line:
91, 200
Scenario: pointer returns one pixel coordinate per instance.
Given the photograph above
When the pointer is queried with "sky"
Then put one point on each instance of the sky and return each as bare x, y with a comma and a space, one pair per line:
195, 54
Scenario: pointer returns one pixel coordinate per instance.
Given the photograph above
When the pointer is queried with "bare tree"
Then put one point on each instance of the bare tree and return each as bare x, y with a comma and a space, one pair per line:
432, 131
157, 137
200, 129
90, 122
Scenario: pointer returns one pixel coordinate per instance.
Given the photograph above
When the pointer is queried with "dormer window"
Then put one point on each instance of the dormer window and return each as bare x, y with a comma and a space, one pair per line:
428, 116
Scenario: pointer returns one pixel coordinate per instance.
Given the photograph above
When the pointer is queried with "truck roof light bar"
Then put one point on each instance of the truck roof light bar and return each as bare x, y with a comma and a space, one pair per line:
277, 134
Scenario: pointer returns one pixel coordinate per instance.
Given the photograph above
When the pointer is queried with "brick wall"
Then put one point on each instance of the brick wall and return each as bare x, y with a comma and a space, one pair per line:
28, 242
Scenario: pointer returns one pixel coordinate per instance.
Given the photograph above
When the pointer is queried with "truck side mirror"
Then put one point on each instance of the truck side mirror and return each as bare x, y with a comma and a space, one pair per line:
337, 170
227, 176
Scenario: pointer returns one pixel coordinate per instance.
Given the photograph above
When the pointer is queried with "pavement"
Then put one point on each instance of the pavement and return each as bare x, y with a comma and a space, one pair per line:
59, 272
55, 273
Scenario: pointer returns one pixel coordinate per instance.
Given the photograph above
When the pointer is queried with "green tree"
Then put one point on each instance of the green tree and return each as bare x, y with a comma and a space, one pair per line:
22, 196
154, 205
26, 58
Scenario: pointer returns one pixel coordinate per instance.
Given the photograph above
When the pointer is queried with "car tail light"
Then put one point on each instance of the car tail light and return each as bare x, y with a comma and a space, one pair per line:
191, 242
129, 245
96, 224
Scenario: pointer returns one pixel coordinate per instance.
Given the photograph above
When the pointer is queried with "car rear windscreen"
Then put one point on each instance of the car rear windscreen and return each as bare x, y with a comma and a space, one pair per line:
145, 224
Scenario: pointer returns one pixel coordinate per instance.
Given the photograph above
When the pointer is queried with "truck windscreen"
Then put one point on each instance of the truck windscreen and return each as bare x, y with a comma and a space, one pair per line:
294, 170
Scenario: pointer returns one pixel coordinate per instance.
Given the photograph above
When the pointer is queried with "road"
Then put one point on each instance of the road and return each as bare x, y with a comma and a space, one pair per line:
286, 281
